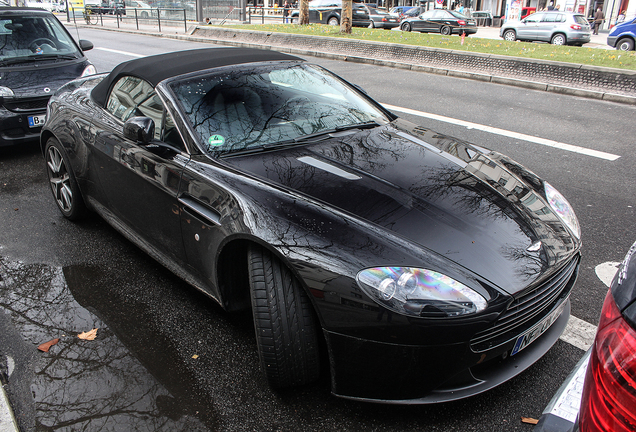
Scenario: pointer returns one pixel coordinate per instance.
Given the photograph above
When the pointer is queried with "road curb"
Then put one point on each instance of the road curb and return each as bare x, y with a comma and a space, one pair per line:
263, 40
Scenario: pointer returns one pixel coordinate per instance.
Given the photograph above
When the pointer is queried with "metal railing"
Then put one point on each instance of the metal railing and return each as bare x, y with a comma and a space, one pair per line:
272, 14
146, 15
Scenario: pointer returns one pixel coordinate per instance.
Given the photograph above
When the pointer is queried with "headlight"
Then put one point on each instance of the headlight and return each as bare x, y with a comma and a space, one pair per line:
419, 292
562, 208
89, 70
6, 92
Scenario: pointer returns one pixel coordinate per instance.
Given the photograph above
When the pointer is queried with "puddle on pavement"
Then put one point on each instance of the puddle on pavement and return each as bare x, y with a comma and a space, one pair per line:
90, 385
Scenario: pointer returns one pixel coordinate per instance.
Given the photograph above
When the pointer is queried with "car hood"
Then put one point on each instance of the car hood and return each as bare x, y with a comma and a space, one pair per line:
41, 78
479, 209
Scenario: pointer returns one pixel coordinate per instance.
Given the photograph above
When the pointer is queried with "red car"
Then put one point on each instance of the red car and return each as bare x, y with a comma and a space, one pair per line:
607, 372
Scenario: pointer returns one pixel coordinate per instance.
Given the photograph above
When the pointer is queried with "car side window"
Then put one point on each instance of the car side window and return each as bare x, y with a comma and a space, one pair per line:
427, 15
560, 18
535, 17
549, 18
131, 97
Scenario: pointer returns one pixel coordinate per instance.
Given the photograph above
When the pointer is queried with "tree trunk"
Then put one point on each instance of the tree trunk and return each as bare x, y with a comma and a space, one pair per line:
303, 13
347, 15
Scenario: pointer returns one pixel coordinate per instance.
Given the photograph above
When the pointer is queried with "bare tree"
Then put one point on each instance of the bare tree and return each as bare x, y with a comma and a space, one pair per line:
347, 15
303, 13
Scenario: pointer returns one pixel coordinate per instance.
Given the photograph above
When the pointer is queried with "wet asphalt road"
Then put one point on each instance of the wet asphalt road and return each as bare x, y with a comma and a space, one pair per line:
167, 358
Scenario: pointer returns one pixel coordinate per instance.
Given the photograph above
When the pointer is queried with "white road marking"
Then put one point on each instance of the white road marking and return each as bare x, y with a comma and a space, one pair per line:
120, 52
579, 333
510, 134
606, 271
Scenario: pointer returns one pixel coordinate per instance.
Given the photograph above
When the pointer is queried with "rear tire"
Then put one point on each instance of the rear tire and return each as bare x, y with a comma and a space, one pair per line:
286, 329
558, 39
510, 35
446, 30
333, 21
625, 44
63, 183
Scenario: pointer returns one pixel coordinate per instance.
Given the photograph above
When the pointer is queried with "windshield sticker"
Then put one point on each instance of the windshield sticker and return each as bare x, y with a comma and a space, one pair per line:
215, 141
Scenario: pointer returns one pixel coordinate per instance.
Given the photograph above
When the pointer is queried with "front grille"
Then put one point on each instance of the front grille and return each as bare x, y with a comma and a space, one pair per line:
528, 308
26, 105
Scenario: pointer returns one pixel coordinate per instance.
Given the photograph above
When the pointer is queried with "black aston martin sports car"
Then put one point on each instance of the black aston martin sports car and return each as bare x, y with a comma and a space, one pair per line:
425, 268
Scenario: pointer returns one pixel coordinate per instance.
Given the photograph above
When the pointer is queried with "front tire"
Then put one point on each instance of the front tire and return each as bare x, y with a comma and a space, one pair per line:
286, 329
446, 30
63, 183
625, 44
406, 27
510, 35
558, 39
333, 21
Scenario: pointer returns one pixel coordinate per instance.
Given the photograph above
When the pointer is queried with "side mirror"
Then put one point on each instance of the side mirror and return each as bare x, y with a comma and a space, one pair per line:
140, 129
85, 45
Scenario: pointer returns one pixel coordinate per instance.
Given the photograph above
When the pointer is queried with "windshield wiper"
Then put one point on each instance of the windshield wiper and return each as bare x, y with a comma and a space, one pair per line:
52, 57
36, 57
304, 139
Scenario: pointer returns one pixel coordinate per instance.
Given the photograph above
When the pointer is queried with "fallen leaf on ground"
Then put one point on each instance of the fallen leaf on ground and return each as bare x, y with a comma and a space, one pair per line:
89, 335
529, 420
47, 345
196, 356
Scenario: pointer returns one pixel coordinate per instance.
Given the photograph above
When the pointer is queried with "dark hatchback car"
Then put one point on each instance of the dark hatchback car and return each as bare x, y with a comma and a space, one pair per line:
623, 36
330, 11
441, 21
37, 56
426, 269
382, 19
600, 393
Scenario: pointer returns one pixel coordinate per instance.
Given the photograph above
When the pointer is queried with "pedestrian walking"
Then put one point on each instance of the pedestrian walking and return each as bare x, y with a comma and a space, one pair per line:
599, 17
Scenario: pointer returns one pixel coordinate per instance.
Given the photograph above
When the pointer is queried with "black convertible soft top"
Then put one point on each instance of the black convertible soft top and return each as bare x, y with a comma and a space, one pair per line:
157, 68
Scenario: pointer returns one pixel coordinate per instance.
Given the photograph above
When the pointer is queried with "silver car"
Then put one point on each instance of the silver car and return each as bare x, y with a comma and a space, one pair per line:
555, 27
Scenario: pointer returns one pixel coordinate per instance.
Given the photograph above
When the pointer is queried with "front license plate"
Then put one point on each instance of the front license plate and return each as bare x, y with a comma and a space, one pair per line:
37, 121
531, 335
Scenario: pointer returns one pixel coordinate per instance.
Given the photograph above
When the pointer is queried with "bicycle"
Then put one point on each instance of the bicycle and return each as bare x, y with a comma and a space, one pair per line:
90, 17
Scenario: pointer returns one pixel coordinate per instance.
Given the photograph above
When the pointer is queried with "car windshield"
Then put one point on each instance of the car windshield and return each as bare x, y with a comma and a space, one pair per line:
28, 38
262, 106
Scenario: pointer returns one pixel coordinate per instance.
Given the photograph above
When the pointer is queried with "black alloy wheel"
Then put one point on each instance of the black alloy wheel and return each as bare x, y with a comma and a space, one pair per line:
406, 27
445, 30
286, 328
62, 180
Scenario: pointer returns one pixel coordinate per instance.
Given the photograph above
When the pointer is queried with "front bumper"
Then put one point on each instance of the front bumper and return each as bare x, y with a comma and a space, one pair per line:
15, 129
406, 374
611, 41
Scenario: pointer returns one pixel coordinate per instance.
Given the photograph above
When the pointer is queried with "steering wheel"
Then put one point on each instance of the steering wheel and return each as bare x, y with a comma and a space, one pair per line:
41, 41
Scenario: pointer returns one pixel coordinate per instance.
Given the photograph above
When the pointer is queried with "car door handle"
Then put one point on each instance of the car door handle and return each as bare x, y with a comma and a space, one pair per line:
200, 211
